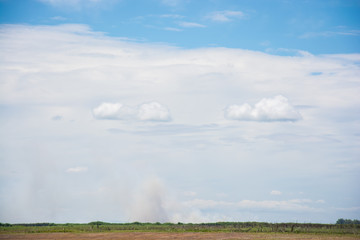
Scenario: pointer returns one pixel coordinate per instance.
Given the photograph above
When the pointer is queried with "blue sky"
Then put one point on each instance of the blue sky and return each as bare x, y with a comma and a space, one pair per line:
319, 27
179, 110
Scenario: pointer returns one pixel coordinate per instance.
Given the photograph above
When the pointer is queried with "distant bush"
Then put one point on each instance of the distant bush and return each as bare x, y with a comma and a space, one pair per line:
5, 225
347, 221
98, 223
36, 224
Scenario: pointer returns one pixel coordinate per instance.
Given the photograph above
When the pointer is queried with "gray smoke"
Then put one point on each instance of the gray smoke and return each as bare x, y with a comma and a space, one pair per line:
148, 204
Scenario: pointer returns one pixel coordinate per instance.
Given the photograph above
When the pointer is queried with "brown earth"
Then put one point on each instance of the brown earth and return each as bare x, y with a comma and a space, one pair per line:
179, 236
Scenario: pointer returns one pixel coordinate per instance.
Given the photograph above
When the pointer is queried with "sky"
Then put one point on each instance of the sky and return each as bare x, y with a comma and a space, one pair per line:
179, 110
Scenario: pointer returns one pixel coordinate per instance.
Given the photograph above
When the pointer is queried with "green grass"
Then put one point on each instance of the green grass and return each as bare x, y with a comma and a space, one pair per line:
250, 227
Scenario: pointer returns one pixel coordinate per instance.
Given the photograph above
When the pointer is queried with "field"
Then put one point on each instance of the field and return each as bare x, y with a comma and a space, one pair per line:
175, 236
152, 231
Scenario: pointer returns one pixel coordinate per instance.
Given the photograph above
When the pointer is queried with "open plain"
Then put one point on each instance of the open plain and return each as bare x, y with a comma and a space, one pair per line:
178, 236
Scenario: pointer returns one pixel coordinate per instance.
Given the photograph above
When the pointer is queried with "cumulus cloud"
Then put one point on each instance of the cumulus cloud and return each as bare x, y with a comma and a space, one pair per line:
113, 111
225, 16
77, 169
152, 111
107, 110
268, 109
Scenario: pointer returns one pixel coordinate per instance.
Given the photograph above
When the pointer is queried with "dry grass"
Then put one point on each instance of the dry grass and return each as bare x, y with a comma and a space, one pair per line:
159, 236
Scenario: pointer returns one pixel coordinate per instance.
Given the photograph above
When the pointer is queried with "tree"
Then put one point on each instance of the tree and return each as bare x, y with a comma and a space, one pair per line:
347, 221
340, 221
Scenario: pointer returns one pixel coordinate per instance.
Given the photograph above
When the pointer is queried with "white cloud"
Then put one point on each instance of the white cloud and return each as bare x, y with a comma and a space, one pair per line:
107, 111
113, 111
289, 52
176, 16
171, 3
152, 111
191, 25
63, 70
352, 32
59, 18
77, 169
61, 2
275, 192
288, 205
70, 2
173, 29
57, 118
268, 109
78, 4
225, 16
349, 209
190, 193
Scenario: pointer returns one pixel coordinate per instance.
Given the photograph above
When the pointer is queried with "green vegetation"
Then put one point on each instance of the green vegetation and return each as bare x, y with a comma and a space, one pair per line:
98, 226
347, 221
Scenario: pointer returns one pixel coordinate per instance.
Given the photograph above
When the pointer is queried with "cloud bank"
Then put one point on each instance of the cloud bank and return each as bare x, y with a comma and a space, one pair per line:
65, 72
267, 110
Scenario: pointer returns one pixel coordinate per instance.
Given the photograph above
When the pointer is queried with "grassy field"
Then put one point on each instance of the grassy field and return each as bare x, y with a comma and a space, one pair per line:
180, 227
177, 236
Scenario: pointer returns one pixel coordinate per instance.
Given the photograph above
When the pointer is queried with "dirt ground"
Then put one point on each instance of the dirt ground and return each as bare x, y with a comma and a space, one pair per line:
159, 236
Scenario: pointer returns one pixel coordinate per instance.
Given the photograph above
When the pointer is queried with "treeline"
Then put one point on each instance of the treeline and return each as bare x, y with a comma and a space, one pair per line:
340, 221
27, 224
343, 227
347, 221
